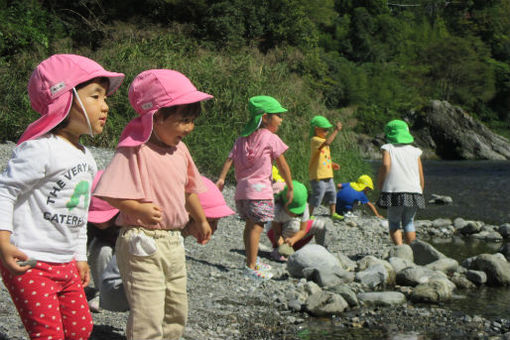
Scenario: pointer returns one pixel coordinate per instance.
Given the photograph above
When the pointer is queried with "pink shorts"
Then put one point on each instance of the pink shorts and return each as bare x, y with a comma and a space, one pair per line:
256, 210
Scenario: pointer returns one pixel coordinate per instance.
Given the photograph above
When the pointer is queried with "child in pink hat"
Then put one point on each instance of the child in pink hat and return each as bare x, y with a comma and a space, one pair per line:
111, 285
154, 182
45, 194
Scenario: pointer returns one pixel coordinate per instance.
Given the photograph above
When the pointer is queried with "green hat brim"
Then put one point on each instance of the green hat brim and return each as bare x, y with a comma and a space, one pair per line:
252, 125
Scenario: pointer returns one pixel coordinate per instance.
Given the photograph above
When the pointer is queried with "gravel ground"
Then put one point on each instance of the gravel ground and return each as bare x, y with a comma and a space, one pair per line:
224, 304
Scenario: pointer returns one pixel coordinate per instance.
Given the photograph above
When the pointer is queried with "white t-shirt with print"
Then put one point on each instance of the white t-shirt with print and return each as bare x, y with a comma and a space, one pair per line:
44, 198
290, 224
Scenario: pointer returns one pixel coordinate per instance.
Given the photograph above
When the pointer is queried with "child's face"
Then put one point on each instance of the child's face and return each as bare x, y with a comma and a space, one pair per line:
174, 128
272, 121
93, 97
321, 132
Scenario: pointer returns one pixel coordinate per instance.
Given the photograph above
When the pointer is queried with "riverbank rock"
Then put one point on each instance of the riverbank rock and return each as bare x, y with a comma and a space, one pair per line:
445, 131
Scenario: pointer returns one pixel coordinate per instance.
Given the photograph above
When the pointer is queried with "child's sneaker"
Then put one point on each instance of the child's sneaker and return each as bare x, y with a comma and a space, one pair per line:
257, 274
337, 217
259, 265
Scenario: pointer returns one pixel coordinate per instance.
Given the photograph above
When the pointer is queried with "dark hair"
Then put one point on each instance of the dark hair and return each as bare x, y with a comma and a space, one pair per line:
65, 122
187, 110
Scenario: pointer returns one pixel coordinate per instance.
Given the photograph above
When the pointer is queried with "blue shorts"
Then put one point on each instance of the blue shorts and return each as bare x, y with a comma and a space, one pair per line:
401, 218
323, 189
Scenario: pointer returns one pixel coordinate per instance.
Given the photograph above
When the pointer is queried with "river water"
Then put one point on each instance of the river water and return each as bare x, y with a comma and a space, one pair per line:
480, 191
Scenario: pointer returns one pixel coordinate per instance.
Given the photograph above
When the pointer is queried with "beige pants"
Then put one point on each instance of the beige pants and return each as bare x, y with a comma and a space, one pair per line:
155, 284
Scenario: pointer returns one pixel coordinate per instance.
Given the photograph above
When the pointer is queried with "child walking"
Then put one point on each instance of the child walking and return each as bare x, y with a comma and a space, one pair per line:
253, 155
44, 197
320, 168
154, 182
400, 180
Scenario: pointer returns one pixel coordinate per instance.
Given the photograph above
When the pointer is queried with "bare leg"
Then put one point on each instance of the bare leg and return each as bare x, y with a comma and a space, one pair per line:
251, 237
396, 236
410, 236
332, 209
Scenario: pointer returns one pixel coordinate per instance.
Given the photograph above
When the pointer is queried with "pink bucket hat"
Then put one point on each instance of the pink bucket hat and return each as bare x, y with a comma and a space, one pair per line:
50, 89
150, 91
213, 202
100, 211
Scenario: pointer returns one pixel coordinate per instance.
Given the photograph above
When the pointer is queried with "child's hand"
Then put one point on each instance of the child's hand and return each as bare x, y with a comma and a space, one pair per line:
335, 166
84, 271
220, 184
10, 254
338, 126
147, 214
202, 232
290, 196
290, 241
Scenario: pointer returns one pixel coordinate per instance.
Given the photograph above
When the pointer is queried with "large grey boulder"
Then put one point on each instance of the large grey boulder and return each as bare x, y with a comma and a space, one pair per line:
445, 265
402, 251
325, 303
456, 134
424, 253
312, 256
413, 276
495, 266
385, 299
433, 291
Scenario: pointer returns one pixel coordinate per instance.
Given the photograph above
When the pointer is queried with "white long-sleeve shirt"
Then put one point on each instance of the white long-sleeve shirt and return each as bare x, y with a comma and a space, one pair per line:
44, 199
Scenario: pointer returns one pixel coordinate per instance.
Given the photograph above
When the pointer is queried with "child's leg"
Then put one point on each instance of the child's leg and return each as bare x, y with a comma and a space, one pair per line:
154, 312
50, 301
394, 219
316, 196
408, 224
100, 254
252, 233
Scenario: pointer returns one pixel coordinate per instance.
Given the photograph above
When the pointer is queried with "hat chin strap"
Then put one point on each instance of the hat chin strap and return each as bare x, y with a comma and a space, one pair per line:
91, 133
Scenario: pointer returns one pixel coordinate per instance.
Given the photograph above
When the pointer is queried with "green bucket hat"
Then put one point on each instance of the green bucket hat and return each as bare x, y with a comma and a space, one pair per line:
319, 121
397, 132
298, 204
259, 105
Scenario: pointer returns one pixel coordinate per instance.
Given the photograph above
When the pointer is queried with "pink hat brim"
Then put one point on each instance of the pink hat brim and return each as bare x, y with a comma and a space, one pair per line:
57, 112
59, 108
98, 216
218, 212
139, 129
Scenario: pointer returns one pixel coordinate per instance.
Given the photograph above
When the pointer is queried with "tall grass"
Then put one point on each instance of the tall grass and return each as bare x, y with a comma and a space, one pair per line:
232, 77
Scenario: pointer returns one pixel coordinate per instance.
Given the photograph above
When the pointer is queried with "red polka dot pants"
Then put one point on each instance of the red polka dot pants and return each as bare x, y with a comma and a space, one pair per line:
51, 301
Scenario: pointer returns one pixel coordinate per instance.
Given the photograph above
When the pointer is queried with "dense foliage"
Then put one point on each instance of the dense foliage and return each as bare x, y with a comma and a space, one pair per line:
359, 61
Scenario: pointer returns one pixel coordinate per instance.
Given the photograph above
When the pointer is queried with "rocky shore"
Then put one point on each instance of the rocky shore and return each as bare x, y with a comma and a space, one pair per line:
360, 287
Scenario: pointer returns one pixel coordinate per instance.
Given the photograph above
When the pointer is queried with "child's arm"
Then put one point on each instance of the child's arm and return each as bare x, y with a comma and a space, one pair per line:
197, 213
297, 236
374, 209
9, 254
221, 180
332, 136
383, 169
284, 169
143, 213
420, 170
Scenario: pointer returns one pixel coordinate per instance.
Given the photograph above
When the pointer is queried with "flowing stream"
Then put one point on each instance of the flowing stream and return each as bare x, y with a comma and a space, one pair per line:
479, 190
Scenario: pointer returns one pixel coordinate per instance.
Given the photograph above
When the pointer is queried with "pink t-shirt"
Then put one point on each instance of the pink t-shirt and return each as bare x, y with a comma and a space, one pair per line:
253, 158
151, 173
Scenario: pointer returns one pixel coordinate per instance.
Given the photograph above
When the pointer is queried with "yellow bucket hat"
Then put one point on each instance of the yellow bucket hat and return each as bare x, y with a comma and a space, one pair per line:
362, 182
